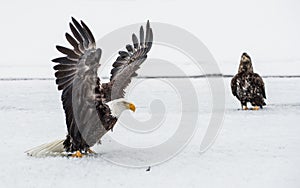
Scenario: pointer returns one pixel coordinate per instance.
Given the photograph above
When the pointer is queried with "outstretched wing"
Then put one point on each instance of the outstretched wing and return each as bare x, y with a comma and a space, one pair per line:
260, 84
127, 63
76, 76
84, 47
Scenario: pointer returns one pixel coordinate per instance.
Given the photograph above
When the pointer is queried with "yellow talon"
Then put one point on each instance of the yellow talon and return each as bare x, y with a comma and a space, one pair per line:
255, 108
78, 154
245, 108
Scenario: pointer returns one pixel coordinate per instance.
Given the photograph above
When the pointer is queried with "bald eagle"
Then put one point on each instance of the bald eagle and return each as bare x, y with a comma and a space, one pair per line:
92, 108
248, 86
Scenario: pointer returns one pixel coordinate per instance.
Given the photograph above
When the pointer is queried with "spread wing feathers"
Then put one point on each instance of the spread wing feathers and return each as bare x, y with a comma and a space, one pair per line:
76, 75
128, 62
84, 47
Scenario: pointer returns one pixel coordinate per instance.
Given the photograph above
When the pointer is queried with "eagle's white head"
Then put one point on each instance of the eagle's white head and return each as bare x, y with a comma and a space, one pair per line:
117, 106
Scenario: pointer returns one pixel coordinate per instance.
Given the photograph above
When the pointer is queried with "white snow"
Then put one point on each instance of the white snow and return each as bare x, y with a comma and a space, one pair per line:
253, 149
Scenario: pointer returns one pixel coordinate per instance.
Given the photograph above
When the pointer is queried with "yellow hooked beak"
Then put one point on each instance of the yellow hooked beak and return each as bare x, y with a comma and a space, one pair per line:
132, 107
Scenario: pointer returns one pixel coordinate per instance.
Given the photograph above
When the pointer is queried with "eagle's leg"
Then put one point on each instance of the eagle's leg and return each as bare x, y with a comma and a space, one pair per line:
255, 108
77, 154
244, 106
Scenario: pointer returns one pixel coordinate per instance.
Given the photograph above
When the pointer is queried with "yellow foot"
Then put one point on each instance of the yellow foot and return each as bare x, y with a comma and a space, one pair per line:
78, 154
245, 108
91, 151
255, 108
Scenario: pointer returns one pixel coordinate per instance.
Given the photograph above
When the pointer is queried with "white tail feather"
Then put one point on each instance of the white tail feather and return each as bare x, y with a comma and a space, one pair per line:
55, 148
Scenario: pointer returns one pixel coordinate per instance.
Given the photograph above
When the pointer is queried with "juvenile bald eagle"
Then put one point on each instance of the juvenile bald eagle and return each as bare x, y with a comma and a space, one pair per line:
91, 108
248, 86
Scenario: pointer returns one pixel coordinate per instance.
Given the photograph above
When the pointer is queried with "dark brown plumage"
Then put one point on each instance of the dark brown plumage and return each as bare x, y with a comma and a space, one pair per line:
84, 98
247, 86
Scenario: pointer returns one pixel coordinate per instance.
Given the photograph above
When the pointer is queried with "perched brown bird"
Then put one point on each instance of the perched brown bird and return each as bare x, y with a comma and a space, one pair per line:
248, 86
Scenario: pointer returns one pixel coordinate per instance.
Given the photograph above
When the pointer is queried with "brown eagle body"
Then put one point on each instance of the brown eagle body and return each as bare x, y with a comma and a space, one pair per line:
85, 100
247, 86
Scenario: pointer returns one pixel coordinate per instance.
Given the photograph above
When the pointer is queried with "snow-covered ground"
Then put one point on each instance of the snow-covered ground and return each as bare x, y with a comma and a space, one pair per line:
253, 149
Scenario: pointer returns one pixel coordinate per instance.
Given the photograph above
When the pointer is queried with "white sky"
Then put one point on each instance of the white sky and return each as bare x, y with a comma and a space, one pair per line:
268, 30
